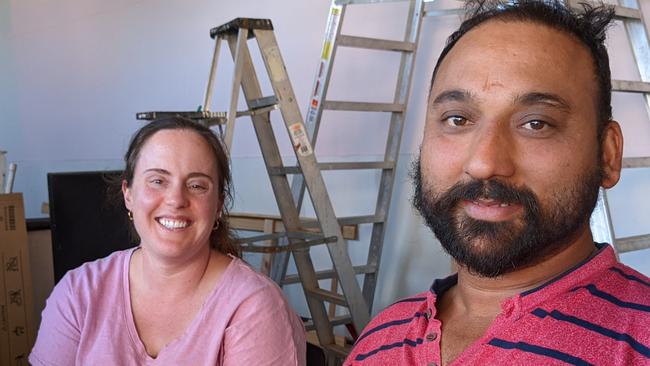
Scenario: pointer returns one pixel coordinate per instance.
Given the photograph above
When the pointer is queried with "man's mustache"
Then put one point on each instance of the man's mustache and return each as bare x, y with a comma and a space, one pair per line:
491, 189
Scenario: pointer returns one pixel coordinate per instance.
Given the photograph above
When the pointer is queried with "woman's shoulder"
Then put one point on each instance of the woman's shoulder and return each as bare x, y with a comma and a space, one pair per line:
91, 275
243, 281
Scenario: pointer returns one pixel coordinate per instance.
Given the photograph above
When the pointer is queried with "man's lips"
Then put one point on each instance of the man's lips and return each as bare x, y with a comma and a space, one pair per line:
491, 210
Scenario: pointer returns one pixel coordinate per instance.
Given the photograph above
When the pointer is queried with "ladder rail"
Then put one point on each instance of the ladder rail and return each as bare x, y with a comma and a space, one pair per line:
313, 116
270, 153
393, 143
313, 179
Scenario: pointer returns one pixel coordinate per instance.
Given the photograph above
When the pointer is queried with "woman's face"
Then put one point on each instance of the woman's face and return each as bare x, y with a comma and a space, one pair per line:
174, 195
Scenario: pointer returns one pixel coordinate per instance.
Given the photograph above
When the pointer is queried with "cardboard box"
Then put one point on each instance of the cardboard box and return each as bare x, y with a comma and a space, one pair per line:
16, 308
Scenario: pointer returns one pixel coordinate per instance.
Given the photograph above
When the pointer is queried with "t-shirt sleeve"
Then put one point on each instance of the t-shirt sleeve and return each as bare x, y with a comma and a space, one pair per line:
59, 333
265, 331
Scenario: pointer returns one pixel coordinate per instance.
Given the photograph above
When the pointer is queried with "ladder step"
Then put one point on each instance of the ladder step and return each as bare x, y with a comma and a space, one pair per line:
375, 43
632, 243
363, 106
207, 115
624, 13
620, 12
234, 25
328, 296
356, 220
640, 162
353, 2
339, 351
335, 321
327, 274
358, 165
630, 86
361, 165
263, 102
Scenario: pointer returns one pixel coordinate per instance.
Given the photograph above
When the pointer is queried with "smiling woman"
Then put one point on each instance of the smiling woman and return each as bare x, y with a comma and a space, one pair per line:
183, 296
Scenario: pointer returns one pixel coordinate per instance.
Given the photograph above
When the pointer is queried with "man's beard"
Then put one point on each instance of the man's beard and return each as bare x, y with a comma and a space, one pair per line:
491, 249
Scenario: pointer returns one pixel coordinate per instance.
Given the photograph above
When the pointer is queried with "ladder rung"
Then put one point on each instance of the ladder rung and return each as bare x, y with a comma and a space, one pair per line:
375, 43
285, 170
632, 243
353, 2
335, 321
356, 165
640, 162
625, 13
338, 350
443, 12
263, 102
328, 296
630, 86
356, 220
327, 274
362, 106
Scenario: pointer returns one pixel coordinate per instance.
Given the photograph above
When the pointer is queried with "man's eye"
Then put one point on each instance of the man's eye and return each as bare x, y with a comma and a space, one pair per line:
535, 125
456, 121
156, 181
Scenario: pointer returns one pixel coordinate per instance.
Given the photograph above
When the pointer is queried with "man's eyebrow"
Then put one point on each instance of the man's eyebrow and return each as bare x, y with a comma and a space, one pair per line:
550, 99
454, 95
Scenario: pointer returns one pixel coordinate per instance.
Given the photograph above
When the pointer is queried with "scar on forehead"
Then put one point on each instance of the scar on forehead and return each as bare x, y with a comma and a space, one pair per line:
491, 83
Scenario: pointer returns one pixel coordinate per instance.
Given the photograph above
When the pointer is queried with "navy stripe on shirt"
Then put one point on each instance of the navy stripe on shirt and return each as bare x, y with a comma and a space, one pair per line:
386, 347
539, 350
410, 299
389, 324
629, 276
612, 299
623, 337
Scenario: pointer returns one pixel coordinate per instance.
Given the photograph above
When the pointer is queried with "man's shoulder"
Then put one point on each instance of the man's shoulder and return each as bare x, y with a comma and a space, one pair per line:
622, 280
400, 324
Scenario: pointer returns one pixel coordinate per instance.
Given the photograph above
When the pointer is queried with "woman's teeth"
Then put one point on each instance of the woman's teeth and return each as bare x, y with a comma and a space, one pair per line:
172, 224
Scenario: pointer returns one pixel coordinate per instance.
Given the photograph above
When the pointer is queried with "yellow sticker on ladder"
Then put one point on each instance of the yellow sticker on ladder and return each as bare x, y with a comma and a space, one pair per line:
300, 140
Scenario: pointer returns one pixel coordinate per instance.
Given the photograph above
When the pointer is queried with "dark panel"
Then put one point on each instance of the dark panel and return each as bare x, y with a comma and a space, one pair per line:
86, 223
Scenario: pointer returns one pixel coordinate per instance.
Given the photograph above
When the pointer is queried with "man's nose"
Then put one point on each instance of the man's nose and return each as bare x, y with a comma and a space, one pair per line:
491, 154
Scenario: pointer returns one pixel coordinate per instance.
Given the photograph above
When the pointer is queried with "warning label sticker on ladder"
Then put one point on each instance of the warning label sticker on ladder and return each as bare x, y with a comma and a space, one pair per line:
300, 140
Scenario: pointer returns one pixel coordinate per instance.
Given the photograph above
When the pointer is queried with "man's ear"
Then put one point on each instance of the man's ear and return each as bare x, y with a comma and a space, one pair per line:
612, 154
126, 192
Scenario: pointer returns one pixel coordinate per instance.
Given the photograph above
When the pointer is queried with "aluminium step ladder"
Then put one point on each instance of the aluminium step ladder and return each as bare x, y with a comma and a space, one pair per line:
319, 102
297, 237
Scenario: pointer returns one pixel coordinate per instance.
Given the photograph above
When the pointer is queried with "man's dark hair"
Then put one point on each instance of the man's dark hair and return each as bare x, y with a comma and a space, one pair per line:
587, 24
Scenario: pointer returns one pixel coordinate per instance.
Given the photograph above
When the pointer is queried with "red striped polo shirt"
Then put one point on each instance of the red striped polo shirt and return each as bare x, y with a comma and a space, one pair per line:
597, 313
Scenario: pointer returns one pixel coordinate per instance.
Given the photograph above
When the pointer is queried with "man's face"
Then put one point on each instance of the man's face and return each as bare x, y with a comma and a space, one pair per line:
509, 166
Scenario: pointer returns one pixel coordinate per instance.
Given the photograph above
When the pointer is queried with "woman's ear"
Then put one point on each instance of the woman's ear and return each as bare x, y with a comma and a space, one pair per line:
126, 192
612, 154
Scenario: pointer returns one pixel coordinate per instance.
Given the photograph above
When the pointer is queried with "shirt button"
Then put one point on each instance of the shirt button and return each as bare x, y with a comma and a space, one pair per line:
427, 315
432, 364
432, 337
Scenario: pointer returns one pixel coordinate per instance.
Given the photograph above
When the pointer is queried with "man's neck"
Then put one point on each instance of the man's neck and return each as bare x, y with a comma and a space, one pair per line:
483, 296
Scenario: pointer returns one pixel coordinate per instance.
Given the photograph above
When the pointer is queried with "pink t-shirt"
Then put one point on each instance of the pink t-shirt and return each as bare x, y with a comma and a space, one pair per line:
244, 321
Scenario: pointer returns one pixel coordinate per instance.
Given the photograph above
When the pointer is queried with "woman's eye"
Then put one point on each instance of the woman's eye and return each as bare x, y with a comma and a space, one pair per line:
197, 187
535, 125
156, 181
456, 121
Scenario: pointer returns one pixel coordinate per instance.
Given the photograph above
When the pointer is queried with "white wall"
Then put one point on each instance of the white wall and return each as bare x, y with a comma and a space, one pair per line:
74, 73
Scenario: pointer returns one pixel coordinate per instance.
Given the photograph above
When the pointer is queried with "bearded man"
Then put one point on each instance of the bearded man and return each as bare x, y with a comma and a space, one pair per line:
519, 138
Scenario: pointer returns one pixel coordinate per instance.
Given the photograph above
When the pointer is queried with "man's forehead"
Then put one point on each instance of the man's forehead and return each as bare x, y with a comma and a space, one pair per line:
500, 53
